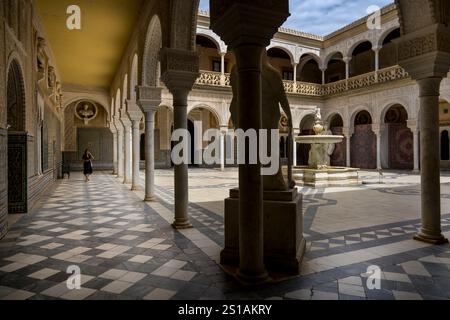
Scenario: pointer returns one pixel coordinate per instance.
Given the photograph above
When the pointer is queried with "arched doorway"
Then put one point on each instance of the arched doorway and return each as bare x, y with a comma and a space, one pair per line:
338, 158
306, 129
200, 119
445, 146
17, 141
400, 143
363, 142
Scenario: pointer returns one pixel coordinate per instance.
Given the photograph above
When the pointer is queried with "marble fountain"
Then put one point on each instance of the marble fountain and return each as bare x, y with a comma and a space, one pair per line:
319, 173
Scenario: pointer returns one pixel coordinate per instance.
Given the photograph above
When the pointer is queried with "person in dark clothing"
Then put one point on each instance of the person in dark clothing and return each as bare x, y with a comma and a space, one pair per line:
87, 162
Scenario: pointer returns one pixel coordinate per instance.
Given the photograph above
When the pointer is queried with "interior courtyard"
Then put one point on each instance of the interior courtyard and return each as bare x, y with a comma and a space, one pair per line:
146, 228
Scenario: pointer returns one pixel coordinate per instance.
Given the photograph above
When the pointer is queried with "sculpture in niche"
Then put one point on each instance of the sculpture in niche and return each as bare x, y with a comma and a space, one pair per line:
86, 111
273, 96
41, 55
51, 77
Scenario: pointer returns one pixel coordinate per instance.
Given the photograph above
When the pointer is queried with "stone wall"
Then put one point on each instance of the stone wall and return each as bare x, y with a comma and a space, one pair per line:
18, 43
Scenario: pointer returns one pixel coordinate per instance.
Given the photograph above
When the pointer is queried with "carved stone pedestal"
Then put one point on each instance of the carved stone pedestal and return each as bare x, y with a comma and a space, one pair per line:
284, 245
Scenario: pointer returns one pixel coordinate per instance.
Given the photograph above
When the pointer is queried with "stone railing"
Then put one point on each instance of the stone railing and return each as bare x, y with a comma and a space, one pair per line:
209, 78
312, 89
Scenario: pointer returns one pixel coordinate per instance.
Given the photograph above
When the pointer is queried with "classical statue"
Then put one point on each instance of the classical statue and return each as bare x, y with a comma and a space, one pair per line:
41, 55
273, 95
51, 77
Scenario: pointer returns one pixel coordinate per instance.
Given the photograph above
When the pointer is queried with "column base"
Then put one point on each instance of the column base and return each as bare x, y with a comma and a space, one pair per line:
150, 199
126, 181
436, 240
182, 225
135, 188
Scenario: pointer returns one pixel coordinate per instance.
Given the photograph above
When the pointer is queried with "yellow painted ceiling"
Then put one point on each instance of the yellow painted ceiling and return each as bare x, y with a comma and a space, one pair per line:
89, 57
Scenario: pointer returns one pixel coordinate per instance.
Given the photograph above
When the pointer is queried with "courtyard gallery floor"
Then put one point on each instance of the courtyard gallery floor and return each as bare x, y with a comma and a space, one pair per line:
126, 249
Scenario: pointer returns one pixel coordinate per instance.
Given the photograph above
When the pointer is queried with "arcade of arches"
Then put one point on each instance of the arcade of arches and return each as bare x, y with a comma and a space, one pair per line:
165, 65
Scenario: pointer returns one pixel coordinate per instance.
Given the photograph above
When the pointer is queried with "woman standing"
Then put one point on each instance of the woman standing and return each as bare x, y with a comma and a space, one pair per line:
87, 159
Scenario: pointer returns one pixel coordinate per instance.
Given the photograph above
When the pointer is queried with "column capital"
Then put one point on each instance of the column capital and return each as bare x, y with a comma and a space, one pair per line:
149, 98
377, 48
224, 129
240, 22
425, 53
347, 59
413, 125
429, 87
125, 119
180, 69
117, 123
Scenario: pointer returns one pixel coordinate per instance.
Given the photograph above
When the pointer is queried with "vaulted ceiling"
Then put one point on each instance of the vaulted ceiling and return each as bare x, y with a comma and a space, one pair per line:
89, 58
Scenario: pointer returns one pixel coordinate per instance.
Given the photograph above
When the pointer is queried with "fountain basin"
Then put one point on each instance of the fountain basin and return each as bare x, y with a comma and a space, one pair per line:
328, 177
319, 139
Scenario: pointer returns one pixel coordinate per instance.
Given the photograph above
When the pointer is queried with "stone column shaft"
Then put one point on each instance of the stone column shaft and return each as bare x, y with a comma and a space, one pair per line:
115, 153
430, 162
120, 152
416, 150
222, 151
180, 102
222, 69
295, 77
150, 155
251, 231
127, 153
136, 154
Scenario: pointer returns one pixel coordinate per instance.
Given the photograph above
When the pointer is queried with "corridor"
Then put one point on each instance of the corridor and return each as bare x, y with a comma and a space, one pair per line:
126, 249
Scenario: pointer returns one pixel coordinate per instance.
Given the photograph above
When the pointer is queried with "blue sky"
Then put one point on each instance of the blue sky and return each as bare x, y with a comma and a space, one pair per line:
321, 17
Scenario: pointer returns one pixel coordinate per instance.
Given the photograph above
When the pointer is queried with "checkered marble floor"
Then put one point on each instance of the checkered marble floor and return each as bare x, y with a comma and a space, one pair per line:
126, 249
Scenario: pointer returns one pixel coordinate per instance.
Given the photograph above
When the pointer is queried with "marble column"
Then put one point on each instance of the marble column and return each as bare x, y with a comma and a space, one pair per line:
431, 231
248, 37
378, 130
377, 61
149, 101
150, 155
115, 137
294, 88
127, 149
348, 140
136, 154
347, 69
180, 83
120, 149
323, 75
416, 151
181, 170
294, 144
222, 68
223, 132
251, 231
